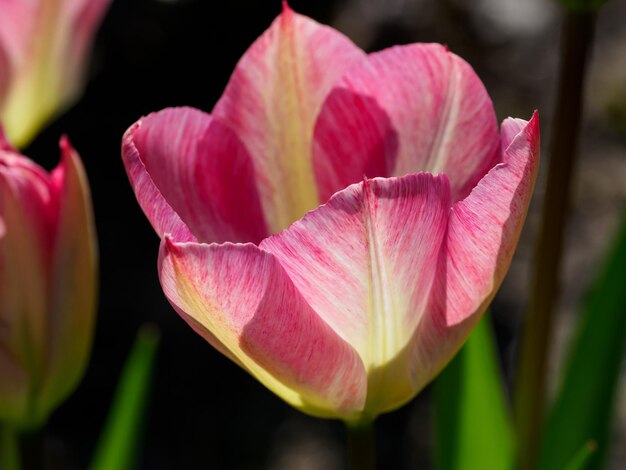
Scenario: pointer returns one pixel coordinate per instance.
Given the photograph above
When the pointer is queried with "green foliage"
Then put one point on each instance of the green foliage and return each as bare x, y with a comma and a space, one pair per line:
584, 406
473, 428
581, 458
117, 449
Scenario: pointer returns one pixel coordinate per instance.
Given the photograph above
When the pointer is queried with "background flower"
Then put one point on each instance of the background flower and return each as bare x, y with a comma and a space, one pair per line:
44, 47
47, 283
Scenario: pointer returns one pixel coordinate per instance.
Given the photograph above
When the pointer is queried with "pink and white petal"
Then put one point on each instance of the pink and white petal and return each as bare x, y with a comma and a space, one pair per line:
271, 102
483, 231
509, 129
444, 119
47, 42
25, 232
74, 276
193, 178
484, 228
245, 300
365, 263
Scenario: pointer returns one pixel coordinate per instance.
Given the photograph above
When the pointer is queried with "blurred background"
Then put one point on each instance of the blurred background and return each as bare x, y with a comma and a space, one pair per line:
204, 411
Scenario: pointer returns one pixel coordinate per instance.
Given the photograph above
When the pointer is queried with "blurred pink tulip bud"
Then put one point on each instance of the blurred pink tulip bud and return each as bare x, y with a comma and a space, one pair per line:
44, 47
350, 309
47, 283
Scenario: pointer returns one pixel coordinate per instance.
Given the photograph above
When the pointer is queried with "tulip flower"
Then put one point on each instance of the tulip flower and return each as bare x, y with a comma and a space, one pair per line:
44, 45
47, 283
415, 204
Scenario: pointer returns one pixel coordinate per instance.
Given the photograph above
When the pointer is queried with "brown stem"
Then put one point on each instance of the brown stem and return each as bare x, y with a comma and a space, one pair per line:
530, 394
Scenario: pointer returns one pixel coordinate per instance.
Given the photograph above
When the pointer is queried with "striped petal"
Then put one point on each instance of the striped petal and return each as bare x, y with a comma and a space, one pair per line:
483, 231
193, 178
242, 301
272, 101
484, 227
364, 262
403, 110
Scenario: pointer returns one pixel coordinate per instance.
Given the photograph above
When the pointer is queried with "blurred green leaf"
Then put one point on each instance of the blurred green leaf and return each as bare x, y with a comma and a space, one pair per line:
580, 459
582, 5
473, 428
117, 449
584, 405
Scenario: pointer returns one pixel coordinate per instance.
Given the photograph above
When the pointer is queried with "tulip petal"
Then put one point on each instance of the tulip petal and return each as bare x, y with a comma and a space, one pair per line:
271, 102
16, 25
484, 227
364, 262
242, 301
47, 43
25, 227
74, 274
510, 128
84, 16
483, 231
193, 178
354, 137
407, 109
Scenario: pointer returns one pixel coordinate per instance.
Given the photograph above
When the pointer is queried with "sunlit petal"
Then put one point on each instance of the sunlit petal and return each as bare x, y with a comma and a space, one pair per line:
243, 298
407, 109
271, 102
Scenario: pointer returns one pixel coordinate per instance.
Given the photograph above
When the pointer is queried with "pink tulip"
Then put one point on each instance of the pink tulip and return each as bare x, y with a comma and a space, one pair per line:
47, 283
44, 45
348, 310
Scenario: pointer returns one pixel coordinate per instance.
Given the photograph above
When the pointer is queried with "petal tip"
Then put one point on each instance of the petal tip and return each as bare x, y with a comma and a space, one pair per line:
170, 244
66, 146
535, 119
67, 152
133, 128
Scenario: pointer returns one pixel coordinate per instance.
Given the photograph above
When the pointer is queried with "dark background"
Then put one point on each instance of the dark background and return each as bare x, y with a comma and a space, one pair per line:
204, 411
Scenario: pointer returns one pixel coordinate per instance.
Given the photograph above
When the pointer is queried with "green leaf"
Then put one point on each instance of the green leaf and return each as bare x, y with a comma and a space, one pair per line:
584, 405
117, 449
473, 428
581, 458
